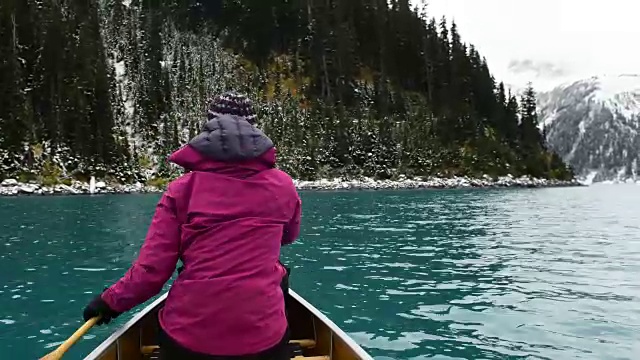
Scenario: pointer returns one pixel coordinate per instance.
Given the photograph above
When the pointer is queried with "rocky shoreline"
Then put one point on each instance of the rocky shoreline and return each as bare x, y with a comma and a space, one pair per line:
433, 183
11, 187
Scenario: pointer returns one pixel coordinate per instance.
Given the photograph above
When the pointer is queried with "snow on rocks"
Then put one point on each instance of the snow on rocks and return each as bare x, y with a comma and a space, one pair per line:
11, 187
431, 183
9, 182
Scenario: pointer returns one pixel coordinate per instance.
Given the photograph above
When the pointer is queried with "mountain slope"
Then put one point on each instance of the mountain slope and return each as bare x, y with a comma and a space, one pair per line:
594, 125
108, 88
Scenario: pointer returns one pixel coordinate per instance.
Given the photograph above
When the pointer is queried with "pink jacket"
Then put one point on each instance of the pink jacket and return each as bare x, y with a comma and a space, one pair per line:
226, 220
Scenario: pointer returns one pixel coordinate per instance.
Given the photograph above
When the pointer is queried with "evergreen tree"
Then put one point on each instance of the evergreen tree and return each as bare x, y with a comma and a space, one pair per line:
344, 88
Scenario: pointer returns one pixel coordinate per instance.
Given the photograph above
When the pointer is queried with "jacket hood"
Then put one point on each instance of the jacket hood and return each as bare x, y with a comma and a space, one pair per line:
225, 143
191, 159
231, 138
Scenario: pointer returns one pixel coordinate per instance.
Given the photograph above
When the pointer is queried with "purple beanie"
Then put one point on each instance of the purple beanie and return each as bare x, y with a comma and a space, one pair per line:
232, 103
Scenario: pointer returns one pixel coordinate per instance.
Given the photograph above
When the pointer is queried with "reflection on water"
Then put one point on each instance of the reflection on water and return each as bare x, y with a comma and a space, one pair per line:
523, 274
58, 253
476, 274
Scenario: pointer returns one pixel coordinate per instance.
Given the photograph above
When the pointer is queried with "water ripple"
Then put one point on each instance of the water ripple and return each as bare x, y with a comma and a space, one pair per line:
523, 274
527, 274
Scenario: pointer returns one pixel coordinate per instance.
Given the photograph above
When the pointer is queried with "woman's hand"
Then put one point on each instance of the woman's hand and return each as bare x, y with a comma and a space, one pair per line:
98, 307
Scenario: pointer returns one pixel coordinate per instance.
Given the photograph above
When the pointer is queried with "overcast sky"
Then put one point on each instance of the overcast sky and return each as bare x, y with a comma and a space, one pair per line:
548, 41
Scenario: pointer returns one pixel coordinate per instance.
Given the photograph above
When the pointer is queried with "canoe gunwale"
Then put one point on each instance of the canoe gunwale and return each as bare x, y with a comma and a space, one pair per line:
113, 338
331, 325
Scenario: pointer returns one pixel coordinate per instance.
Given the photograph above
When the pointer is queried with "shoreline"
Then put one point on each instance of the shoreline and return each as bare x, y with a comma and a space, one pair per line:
433, 183
11, 187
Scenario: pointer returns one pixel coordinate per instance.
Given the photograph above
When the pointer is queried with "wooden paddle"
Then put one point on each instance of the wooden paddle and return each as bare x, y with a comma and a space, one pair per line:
65, 346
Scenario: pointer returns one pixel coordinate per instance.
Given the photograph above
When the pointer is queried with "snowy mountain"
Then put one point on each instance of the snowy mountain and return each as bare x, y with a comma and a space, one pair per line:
594, 125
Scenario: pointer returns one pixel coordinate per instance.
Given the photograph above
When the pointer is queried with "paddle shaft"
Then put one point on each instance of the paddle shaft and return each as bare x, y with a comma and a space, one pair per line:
65, 346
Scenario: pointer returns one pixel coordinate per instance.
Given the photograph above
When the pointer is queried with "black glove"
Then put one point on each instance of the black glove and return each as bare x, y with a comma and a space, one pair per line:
96, 307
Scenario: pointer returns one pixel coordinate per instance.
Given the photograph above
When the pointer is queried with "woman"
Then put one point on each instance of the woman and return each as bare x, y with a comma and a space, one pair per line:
226, 220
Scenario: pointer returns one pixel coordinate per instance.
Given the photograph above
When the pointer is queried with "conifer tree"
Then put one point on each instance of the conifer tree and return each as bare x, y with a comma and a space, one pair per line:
358, 87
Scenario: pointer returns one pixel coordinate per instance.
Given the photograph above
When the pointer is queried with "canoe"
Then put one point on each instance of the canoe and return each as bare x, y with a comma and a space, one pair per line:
315, 336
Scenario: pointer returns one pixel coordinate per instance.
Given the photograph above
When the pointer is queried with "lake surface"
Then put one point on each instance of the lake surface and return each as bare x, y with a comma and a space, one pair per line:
454, 274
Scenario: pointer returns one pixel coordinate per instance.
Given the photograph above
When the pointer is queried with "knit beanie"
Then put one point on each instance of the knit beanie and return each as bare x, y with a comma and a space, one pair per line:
232, 103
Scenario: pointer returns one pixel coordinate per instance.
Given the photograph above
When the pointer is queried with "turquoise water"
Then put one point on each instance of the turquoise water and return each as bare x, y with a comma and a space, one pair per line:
479, 274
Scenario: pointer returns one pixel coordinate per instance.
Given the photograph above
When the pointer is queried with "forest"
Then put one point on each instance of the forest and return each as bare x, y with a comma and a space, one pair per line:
345, 89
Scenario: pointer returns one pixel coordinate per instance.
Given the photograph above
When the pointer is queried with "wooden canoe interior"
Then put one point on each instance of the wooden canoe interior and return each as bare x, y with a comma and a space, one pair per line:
316, 338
